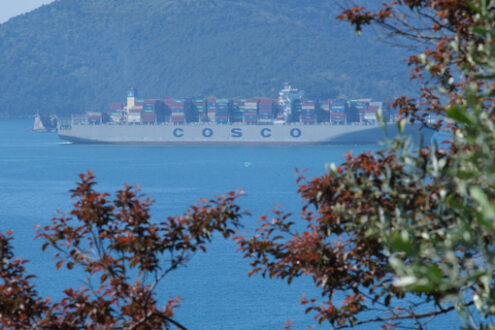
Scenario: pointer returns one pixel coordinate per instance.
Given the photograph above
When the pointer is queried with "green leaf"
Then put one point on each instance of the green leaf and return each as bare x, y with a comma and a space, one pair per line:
473, 6
401, 125
398, 244
434, 274
480, 30
487, 209
459, 115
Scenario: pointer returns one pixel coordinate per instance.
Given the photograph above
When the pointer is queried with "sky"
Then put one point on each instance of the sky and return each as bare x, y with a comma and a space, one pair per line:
11, 8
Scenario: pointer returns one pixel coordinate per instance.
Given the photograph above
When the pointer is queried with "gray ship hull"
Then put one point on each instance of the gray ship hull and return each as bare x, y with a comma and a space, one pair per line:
235, 134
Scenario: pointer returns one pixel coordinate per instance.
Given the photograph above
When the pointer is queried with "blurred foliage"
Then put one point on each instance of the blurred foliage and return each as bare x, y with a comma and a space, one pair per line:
73, 56
406, 234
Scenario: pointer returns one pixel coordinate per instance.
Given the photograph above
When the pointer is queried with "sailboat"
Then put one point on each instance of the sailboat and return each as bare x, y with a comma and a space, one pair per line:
45, 123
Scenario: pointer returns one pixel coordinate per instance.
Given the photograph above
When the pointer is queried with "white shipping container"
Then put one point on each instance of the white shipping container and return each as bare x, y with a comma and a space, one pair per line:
116, 117
369, 116
134, 118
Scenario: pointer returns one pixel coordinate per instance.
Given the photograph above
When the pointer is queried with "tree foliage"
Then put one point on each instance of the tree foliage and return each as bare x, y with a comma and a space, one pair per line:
407, 235
397, 237
125, 255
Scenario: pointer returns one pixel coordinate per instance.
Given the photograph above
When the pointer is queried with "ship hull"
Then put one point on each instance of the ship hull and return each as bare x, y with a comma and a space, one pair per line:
235, 134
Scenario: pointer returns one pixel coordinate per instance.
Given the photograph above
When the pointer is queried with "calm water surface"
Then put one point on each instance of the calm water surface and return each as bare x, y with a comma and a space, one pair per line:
38, 170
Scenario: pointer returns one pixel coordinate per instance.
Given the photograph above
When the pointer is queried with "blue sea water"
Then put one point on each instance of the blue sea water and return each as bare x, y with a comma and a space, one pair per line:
38, 170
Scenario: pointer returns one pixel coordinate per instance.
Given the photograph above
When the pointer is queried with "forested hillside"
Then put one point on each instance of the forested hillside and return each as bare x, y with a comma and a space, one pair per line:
76, 55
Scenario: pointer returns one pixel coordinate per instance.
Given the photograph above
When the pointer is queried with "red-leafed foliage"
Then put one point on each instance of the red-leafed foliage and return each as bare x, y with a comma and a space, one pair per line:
20, 306
430, 26
334, 248
112, 241
379, 217
426, 219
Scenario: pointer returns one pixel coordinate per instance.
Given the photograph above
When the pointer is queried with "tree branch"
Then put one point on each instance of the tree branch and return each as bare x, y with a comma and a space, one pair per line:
164, 317
404, 317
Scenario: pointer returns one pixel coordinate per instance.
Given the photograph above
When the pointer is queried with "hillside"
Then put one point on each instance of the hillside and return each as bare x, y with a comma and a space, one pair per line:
76, 55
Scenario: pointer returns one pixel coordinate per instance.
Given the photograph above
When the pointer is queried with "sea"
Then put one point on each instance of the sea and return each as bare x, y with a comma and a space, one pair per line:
39, 169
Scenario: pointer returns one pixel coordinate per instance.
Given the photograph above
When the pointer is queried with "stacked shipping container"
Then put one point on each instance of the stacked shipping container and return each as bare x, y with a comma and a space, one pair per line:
338, 111
237, 110
94, 117
199, 105
296, 109
361, 107
324, 112
325, 106
369, 117
115, 111
169, 103
265, 114
178, 116
222, 111
134, 114
212, 109
308, 112
276, 108
356, 107
251, 111
149, 112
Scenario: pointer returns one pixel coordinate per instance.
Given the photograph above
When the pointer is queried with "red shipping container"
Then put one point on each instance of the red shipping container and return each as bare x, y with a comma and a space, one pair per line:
148, 117
115, 106
337, 115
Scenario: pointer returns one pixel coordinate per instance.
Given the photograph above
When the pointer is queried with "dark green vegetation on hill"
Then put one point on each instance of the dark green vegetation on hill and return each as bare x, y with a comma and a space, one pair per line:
77, 55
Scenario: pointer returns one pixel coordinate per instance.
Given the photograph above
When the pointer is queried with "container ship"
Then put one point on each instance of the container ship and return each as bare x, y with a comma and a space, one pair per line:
291, 119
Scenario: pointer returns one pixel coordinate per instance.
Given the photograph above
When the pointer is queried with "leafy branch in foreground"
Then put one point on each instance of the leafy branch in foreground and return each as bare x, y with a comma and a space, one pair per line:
400, 237
340, 247
124, 254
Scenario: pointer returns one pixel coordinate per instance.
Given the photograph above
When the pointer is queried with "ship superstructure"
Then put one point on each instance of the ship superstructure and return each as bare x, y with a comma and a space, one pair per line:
287, 98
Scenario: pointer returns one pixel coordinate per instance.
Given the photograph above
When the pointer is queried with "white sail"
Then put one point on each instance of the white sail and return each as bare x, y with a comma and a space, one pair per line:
38, 124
